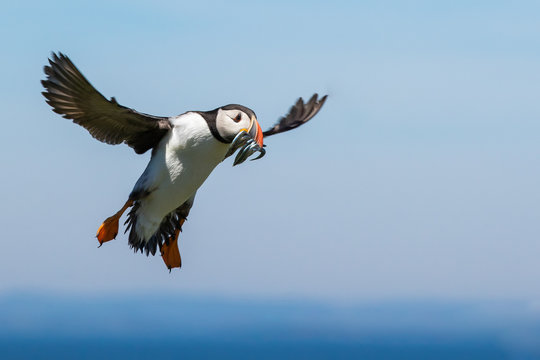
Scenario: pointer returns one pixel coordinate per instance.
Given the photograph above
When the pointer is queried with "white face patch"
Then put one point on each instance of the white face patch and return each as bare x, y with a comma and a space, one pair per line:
230, 122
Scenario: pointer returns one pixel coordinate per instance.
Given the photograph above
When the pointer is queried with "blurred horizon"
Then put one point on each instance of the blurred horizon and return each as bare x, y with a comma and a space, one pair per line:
169, 326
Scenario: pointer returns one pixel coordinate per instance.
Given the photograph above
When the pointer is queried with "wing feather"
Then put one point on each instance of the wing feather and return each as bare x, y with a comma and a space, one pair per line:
71, 95
299, 114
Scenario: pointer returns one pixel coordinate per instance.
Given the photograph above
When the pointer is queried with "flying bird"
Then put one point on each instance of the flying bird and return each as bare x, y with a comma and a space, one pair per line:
185, 150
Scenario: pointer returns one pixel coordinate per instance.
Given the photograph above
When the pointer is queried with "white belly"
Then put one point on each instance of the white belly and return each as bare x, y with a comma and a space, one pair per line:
180, 165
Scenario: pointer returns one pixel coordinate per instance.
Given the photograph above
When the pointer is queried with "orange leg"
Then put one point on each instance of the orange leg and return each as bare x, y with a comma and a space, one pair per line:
108, 230
170, 253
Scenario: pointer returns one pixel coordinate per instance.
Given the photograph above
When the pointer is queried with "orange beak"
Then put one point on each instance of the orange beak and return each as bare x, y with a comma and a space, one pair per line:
256, 132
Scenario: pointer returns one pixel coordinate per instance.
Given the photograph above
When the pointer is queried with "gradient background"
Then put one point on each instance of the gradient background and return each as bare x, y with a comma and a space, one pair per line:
402, 222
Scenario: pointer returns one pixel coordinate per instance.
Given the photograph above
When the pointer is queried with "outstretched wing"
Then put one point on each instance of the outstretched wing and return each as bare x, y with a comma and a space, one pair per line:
73, 97
299, 114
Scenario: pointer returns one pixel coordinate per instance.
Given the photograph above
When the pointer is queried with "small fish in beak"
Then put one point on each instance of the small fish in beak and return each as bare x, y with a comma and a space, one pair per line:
249, 141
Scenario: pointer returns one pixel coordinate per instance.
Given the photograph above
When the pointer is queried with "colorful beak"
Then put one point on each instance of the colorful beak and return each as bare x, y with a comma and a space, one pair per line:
256, 132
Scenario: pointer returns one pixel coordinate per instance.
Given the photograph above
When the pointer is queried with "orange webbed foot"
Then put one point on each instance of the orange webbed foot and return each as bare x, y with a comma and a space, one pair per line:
171, 254
109, 229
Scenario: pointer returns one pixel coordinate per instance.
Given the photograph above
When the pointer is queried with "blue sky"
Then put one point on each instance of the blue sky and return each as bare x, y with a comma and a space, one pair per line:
418, 179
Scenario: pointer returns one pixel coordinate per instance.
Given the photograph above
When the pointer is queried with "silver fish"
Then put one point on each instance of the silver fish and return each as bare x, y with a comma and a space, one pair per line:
247, 146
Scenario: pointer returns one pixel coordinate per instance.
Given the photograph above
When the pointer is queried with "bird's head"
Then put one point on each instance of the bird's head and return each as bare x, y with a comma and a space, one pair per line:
238, 125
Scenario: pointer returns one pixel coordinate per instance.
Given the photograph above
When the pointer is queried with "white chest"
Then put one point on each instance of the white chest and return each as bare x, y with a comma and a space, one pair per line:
183, 161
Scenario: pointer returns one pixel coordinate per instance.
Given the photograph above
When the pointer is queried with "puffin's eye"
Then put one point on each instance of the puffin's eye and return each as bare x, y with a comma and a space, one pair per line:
238, 118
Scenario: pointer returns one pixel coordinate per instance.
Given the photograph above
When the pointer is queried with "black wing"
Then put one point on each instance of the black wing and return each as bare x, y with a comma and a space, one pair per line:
72, 96
299, 114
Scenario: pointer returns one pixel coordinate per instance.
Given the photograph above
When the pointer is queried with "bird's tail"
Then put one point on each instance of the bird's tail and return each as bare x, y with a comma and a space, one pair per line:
166, 232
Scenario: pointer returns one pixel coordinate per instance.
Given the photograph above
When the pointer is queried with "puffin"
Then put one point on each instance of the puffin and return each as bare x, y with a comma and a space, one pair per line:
184, 150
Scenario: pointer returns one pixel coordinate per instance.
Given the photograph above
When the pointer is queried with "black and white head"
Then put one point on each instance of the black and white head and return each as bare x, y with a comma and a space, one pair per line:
237, 125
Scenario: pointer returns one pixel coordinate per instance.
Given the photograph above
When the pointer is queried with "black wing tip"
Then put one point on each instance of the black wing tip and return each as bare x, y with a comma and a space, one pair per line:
56, 60
315, 98
50, 70
300, 113
57, 55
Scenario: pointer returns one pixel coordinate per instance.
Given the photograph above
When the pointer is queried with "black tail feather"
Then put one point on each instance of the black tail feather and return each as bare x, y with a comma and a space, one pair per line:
167, 229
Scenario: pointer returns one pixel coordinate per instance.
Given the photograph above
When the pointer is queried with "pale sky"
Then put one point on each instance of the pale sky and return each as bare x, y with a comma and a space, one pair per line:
418, 179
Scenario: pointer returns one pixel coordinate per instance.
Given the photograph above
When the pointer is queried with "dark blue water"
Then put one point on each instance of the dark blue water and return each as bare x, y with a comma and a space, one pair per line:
178, 327
170, 349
